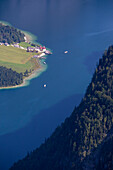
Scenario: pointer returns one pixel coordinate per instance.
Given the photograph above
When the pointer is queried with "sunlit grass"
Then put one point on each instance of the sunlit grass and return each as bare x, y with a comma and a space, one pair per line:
17, 59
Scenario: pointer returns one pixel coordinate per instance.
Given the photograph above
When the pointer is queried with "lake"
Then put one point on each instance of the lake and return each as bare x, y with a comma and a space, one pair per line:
30, 114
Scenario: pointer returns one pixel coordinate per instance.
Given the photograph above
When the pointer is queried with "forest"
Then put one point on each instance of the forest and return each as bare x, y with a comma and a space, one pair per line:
8, 77
10, 35
78, 142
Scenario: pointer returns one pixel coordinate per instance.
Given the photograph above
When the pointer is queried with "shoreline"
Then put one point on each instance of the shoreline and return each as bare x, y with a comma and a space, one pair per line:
29, 37
26, 81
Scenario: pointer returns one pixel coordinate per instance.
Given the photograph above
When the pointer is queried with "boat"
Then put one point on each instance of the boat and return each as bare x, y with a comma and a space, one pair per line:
44, 62
65, 52
45, 85
48, 52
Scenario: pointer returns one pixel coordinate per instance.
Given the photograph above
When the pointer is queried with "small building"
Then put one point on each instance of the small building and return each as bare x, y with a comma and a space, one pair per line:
41, 55
30, 49
22, 48
6, 44
44, 50
35, 56
25, 38
41, 48
37, 49
16, 45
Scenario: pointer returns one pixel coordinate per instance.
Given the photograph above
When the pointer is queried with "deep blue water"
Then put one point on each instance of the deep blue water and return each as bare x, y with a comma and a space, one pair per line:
28, 115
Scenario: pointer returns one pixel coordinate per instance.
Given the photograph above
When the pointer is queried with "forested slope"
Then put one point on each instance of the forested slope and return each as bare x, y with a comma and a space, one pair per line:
8, 77
9, 34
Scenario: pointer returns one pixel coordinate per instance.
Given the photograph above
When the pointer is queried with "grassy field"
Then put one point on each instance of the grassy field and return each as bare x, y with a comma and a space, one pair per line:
25, 44
17, 59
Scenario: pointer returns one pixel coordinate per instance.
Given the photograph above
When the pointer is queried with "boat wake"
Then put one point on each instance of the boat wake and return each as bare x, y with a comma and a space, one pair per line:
98, 33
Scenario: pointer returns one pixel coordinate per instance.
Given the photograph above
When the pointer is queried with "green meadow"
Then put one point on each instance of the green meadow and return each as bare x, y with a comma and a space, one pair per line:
25, 44
17, 59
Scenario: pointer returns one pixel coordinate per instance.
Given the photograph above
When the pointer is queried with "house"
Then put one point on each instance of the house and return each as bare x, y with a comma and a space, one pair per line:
41, 48
25, 39
22, 48
16, 45
41, 55
35, 56
37, 49
6, 44
30, 49
44, 49
1, 43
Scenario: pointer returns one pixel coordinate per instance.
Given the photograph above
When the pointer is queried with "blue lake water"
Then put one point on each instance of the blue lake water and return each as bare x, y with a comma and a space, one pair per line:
28, 115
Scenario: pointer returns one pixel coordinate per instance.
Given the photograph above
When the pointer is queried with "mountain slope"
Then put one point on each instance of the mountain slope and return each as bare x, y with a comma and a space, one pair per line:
105, 160
84, 131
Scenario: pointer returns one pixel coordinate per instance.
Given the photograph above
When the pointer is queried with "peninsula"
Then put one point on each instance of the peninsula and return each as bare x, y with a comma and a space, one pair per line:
20, 58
